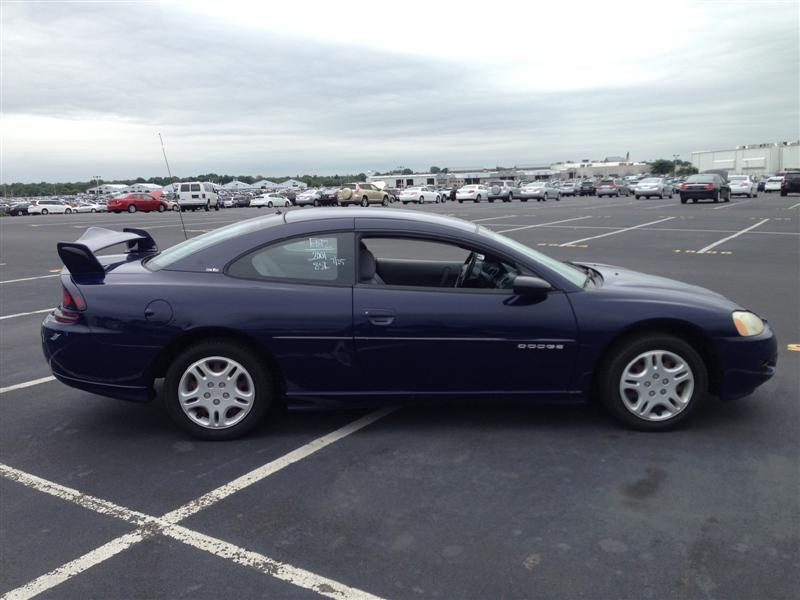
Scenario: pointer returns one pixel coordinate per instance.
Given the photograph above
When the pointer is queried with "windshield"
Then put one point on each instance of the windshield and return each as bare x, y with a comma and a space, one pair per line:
573, 274
651, 180
701, 179
195, 244
735, 178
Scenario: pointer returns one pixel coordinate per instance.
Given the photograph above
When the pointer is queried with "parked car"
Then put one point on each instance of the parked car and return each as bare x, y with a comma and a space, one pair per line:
612, 187
773, 184
290, 195
18, 209
308, 198
91, 207
394, 193
136, 201
363, 194
330, 309
653, 186
743, 185
586, 188
568, 188
44, 207
419, 194
710, 186
503, 190
539, 191
474, 192
195, 195
791, 183
269, 201
329, 196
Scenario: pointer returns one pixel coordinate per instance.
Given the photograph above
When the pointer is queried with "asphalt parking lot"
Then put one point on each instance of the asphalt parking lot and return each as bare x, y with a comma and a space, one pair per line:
107, 499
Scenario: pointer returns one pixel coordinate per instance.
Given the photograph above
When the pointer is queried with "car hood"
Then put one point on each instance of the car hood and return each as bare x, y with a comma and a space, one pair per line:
646, 286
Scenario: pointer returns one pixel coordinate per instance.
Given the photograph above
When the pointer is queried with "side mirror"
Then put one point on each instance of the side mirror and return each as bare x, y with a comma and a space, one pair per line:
525, 285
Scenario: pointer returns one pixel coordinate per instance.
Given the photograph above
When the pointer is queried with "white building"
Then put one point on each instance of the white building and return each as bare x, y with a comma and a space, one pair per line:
108, 188
751, 159
237, 185
265, 184
144, 188
291, 183
603, 168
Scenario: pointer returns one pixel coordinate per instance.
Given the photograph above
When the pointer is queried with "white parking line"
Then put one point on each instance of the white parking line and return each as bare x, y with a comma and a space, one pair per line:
29, 278
494, 218
732, 204
25, 314
671, 204
542, 224
19, 386
167, 524
602, 235
793, 206
730, 237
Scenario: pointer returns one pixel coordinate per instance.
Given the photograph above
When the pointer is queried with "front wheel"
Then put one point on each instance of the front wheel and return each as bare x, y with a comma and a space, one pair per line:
161, 208
478, 198
217, 390
94, 210
269, 204
653, 381
45, 211
132, 208
385, 201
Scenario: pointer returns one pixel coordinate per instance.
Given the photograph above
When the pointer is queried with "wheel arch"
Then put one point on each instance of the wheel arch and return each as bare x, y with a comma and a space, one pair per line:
164, 358
684, 330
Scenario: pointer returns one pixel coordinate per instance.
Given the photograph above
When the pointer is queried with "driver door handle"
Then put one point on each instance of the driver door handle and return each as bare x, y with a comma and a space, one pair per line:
379, 316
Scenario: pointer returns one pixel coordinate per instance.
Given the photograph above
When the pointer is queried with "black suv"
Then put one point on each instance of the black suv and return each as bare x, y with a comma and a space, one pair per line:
791, 183
587, 188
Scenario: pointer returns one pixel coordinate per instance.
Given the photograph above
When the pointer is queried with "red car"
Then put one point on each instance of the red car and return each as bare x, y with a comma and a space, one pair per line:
136, 201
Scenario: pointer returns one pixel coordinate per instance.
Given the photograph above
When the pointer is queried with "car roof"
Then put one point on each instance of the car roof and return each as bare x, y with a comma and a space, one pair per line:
315, 214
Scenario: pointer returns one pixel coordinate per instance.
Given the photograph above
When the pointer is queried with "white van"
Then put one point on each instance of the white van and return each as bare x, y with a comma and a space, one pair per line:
197, 194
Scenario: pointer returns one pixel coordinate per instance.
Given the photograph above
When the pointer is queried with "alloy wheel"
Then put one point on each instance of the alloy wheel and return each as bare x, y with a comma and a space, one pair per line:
656, 385
216, 392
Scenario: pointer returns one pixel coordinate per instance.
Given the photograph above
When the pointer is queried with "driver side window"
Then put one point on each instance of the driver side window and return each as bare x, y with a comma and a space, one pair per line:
411, 262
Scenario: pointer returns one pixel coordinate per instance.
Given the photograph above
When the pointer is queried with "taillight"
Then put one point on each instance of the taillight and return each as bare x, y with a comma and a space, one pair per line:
709, 186
684, 186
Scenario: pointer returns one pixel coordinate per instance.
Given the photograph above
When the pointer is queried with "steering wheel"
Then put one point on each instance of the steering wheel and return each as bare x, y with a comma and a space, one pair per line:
466, 269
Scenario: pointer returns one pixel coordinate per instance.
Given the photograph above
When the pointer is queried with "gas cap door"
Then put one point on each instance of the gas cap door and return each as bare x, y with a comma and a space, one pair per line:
158, 311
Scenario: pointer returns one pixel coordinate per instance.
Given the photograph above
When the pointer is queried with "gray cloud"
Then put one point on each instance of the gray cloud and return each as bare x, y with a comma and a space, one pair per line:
246, 101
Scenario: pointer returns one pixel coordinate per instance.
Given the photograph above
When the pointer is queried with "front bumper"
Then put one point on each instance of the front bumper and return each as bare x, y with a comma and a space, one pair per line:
745, 363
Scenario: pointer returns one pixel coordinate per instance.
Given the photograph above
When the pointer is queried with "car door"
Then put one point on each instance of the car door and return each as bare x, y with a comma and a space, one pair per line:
430, 339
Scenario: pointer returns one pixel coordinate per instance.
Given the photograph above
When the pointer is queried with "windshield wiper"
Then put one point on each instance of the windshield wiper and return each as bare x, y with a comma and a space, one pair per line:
591, 274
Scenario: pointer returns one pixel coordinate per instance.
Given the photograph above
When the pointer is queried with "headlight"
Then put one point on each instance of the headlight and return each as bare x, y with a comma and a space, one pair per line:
747, 323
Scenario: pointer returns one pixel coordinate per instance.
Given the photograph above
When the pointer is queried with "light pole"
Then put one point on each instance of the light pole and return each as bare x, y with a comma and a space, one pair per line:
675, 158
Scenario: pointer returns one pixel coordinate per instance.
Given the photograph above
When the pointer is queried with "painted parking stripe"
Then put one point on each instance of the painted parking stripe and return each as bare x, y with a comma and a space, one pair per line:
29, 278
494, 218
793, 206
730, 205
26, 384
543, 224
602, 235
730, 237
25, 314
167, 524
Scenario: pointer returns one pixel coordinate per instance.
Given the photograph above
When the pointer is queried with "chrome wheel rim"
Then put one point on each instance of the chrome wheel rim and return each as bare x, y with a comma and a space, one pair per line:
657, 385
216, 392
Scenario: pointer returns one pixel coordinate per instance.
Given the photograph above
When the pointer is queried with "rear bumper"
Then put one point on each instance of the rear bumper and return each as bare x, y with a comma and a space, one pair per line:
699, 194
77, 358
746, 363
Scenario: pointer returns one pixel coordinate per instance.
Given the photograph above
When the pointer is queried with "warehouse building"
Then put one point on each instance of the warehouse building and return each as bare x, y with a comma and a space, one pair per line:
108, 188
751, 159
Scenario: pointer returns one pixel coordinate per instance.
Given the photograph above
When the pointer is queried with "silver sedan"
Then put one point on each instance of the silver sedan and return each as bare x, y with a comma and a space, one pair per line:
653, 186
540, 191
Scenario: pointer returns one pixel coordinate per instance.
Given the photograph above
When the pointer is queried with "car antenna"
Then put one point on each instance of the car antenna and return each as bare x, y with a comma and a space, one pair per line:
169, 172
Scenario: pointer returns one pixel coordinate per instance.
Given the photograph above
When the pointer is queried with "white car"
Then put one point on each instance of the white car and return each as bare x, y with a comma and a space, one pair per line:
743, 185
653, 186
91, 207
539, 191
419, 194
773, 185
474, 192
270, 201
44, 207
197, 194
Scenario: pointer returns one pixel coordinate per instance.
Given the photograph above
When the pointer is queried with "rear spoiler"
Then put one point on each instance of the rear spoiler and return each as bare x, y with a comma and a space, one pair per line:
79, 257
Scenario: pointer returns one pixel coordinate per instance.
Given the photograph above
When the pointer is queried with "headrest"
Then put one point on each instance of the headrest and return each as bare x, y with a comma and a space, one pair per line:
366, 264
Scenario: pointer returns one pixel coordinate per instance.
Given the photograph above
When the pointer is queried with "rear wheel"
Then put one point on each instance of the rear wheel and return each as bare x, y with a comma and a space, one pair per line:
217, 390
716, 196
45, 211
269, 204
316, 202
94, 210
421, 199
68, 211
206, 207
365, 201
510, 197
683, 200
652, 381
131, 208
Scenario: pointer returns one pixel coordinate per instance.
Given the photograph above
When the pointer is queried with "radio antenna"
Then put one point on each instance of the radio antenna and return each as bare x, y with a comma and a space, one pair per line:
169, 172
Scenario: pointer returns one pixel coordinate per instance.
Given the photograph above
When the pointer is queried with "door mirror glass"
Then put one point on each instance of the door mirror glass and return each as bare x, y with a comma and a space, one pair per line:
525, 285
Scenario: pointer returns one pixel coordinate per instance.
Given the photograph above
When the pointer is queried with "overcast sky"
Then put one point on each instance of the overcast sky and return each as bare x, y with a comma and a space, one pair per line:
341, 87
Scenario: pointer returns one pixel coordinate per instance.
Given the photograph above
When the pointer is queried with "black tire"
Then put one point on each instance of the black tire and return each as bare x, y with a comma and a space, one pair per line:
618, 357
478, 198
45, 211
510, 197
385, 201
206, 207
316, 202
264, 389
491, 200
460, 202
638, 197
161, 208
68, 211
716, 196
94, 210
365, 202
683, 200
269, 204
131, 208
421, 200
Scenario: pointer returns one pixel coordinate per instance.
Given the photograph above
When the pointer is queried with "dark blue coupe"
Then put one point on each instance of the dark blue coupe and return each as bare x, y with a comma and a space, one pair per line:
332, 306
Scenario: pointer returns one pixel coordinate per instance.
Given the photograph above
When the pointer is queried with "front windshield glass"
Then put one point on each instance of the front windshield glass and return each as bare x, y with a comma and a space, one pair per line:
195, 244
573, 274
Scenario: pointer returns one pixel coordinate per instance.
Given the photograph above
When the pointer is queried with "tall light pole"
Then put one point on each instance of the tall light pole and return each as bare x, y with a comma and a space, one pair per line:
675, 158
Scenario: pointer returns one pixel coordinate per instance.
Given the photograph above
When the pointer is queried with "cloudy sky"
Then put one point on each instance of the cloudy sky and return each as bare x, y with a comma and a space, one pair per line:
340, 87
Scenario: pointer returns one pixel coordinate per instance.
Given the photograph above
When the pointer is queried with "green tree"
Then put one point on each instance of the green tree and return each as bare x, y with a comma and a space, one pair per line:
407, 172
434, 170
662, 166
361, 177
687, 170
